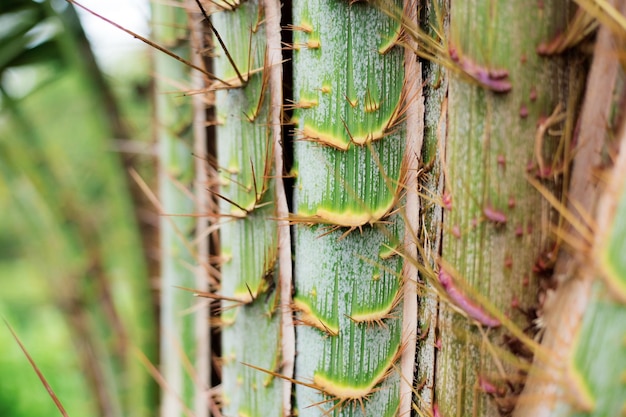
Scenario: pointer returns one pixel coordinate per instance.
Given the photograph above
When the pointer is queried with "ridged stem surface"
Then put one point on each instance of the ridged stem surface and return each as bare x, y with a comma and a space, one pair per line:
248, 214
496, 224
174, 115
349, 155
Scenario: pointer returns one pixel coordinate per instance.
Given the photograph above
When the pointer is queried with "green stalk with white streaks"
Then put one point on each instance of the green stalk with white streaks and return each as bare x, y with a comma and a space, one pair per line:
348, 97
174, 117
248, 218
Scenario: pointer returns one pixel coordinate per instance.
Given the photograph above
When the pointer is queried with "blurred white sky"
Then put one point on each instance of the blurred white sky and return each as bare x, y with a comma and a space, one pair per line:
109, 43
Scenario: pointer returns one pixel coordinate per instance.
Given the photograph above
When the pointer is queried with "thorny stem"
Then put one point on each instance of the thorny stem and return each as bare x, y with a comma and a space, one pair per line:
219, 39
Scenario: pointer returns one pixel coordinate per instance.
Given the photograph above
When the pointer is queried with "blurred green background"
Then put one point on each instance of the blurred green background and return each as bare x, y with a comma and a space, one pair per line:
75, 234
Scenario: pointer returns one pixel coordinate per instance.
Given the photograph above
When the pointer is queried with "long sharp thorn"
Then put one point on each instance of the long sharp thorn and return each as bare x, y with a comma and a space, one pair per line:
229, 201
150, 43
219, 39
256, 191
250, 292
42, 378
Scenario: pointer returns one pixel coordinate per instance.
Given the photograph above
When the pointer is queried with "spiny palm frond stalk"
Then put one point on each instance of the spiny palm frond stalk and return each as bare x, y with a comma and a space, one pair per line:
502, 114
174, 117
248, 103
350, 102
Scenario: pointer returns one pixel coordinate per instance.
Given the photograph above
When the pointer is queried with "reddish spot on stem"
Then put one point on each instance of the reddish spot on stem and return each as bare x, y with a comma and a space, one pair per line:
488, 387
498, 74
525, 280
447, 201
508, 262
456, 231
523, 59
533, 94
523, 111
511, 202
501, 161
436, 412
454, 54
494, 215
495, 80
519, 230
468, 306
555, 45
540, 266
515, 302
544, 173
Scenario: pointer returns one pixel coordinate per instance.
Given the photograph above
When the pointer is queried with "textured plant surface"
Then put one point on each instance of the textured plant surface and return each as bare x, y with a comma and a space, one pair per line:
393, 317
248, 228
175, 140
499, 127
581, 369
496, 224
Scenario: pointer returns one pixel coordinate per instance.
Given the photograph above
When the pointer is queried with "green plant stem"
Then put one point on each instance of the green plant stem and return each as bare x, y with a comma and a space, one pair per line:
174, 118
247, 133
489, 145
348, 90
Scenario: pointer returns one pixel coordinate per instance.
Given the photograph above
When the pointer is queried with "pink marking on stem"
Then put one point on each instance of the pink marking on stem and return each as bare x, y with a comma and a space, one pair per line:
519, 230
551, 47
545, 173
533, 93
501, 161
495, 80
456, 231
454, 54
511, 202
487, 386
436, 412
468, 306
438, 343
523, 111
497, 85
447, 201
538, 267
494, 215
498, 74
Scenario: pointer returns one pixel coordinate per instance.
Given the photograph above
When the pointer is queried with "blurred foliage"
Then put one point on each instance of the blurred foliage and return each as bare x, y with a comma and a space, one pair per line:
73, 276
